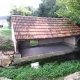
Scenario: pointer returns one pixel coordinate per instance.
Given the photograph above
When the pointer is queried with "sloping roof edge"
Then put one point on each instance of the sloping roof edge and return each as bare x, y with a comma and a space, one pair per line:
32, 27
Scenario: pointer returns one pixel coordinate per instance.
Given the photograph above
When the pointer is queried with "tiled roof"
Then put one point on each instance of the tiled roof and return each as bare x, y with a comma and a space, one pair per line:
29, 27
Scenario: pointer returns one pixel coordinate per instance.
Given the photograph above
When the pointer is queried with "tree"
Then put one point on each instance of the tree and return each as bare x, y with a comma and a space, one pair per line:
8, 20
20, 10
70, 9
47, 8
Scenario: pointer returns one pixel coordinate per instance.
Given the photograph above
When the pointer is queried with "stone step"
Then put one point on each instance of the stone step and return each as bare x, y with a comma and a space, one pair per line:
17, 56
31, 58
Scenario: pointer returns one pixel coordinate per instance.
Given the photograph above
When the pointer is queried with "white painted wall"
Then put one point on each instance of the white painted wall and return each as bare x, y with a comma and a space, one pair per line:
13, 38
48, 41
70, 40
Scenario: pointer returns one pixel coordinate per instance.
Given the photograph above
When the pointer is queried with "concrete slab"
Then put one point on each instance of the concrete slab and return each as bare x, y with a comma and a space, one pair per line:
34, 53
55, 48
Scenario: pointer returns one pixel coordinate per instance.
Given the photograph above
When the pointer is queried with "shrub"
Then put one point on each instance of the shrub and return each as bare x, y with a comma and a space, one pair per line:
47, 71
6, 44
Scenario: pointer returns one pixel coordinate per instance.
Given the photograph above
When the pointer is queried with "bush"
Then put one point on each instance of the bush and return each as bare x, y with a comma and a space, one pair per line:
6, 44
47, 71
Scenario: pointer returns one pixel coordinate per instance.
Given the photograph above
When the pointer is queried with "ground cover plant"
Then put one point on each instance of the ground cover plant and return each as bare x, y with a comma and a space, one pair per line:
6, 44
33, 42
5, 32
5, 38
50, 69
47, 71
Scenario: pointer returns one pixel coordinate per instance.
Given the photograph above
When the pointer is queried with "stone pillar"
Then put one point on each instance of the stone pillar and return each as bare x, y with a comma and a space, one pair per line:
17, 49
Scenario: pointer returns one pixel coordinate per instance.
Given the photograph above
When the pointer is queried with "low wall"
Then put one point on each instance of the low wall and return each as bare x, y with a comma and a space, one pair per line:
71, 41
6, 58
49, 41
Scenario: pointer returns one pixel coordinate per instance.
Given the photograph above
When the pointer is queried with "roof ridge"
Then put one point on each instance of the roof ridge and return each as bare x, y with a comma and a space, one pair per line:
37, 17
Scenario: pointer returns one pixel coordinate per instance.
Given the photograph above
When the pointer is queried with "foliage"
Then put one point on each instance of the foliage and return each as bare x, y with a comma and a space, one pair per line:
47, 9
6, 44
20, 10
70, 9
33, 42
48, 70
8, 20
5, 32
5, 39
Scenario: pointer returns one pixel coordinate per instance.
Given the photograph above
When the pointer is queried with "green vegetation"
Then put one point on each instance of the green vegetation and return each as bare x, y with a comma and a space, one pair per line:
47, 9
21, 10
46, 71
5, 37
5, 32
33, 42
70, 9
6, 45
51, 8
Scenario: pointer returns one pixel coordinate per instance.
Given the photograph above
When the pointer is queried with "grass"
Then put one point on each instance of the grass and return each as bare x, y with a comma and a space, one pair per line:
5, 32
47, 71
33, 42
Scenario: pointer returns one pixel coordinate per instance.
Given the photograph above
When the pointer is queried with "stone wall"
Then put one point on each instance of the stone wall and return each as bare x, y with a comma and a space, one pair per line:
49, 41
6, 58
71, 41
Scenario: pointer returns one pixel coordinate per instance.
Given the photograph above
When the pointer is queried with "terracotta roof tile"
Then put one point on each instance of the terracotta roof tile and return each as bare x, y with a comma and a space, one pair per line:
16, 33
68, 34
28, 27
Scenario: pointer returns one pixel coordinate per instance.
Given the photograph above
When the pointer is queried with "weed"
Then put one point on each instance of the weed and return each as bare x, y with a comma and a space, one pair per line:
47, 71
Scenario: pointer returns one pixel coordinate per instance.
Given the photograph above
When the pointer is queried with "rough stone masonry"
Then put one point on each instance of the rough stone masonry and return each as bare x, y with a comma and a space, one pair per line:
6, 58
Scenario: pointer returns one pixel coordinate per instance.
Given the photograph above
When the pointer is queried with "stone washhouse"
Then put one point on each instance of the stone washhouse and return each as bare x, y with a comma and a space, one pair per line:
52, 37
